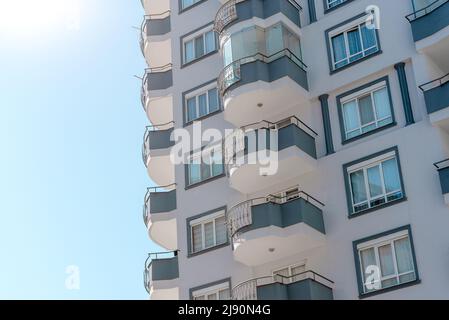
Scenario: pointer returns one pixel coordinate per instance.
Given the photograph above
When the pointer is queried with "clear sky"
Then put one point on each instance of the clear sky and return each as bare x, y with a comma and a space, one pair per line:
72, 179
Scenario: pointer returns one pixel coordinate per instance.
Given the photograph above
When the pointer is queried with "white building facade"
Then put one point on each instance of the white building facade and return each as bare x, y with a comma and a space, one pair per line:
357, 94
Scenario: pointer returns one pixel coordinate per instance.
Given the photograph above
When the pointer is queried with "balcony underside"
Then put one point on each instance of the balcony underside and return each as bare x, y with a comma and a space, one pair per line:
155, 7
162, 219
437, 103
160, 168
160, 109
157, 50
165, 294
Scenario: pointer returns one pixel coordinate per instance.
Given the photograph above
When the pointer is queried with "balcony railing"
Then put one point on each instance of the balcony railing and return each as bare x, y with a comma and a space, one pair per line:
147, 200
147, 277
146, 85
436, 94
443, 172
434, 83
231, 74
426, 10
248, 289
240, 216
147, 144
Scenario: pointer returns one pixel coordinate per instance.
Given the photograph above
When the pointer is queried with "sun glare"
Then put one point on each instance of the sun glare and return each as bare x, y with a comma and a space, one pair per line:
38, 16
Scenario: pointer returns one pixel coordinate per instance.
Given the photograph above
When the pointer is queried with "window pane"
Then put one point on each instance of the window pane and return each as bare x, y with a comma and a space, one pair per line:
366, 110
194, 173
213, 100
403, 255
227, 52
358, 187
189, 53
382, 102
186, 3
283, 272
339, 48
350, 115
202, 102
354, 42
221, 232
212, 296
199, 47
274, 39
368, 37
209, 234
191, 109
224, 294
197, 238
210, 41
386, 260
200, 298
368, 259
374, 181
391, 175
205, 169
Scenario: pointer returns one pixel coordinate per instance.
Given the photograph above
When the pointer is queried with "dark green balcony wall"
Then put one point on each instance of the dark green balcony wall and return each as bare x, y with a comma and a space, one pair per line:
161, 202
444, 179
164, 269
307, 289
158, 27
159, 80
161, 139
431, 23
437, 98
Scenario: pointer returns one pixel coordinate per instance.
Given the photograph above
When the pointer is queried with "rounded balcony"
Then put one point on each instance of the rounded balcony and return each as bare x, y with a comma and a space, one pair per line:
155, 39
270, 228
307, 285
156, 150
152, 6
159, 204
265, 153
161, 275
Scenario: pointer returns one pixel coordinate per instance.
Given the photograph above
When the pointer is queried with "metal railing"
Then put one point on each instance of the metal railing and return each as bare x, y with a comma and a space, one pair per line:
147, 199
145, 89
434, 83
240, 215
248, 290
426, 10
231, 74
443, 164
148, 261
146, 138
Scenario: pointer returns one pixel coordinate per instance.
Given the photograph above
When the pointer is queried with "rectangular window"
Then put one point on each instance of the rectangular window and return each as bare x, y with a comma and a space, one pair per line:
201, 103
221, 291
366, 110
374, 182
334, 3
290, 274
351, 43
205, 165
198, 45
386, 262
208, 232
188, 3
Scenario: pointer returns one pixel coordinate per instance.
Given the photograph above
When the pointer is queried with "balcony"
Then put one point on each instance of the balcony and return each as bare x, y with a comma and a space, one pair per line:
260, 86
159, 219
303, 286
443, 172
271, 228
263, 154
155, 40
436, 95
152, 6
161, 275
156, 149
235, 11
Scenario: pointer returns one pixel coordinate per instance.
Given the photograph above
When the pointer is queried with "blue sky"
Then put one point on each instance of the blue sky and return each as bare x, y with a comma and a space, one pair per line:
71, 176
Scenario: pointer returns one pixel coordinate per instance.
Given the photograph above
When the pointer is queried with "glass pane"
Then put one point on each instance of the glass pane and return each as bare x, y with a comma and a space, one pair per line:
374, 181
407, 277
368, 261
274, 39
213, 100
212, 296
389, 282
220, 229
354, 42
187, 3
351, 116
283, 272
205, 170
208, 234
339, 48
202, 103
200, 298
199, 47
386, 260
391, 175
189, 53
194, 173
210, 41
197, 238
368, 37
224, 294
217, 163
382, 103
366, 110
403, 255
358, 187
191, 109
227, 52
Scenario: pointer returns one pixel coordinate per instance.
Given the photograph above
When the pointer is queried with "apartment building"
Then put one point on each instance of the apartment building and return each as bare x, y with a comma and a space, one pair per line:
357, 92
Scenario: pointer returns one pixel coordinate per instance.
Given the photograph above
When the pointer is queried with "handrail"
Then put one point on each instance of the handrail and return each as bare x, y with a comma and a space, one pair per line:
247, 290
437, 164
146, 200
434, 83
148, 261
425, 11
155, 127
146, 138
270, 124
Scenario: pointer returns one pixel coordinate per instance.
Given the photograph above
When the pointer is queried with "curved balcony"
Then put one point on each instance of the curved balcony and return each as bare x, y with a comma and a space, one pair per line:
263, 154
158, 205
161, 275
307, 285
155, 40
156, 149
271, 228
259, 86
443, 173
235, 11
152, 6
436, 95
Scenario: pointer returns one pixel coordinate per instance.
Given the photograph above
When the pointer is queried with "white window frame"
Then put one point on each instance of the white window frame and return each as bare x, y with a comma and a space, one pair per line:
361, 94
365, 165
196, 94
356, 24
201, 222
183, 7
193, 159
213, 290
376, 244
290, 273
281, 197
192, 37
338, 2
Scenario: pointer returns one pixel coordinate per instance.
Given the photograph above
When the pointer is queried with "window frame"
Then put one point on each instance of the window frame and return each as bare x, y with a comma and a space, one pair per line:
328, 9
379, 240
191, 37
182, 9
199, 154
211, 288
356, 93
365, 163
197, 92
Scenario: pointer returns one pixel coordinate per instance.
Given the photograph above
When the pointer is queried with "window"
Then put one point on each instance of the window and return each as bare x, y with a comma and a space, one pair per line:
199, 45
208, 232
188, 3
290, 274
218, 292
284, 196
334, 3
365, 110
205, 165
201, 103
386, 262
349, 44
374, 182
